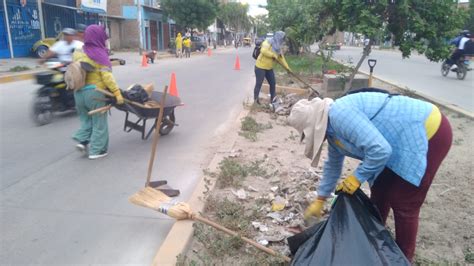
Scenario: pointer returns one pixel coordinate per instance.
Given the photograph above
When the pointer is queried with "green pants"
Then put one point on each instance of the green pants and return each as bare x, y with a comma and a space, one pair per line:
94, 128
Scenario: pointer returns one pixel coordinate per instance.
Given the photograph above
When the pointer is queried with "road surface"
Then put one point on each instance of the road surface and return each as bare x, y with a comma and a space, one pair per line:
58, 207
417, 73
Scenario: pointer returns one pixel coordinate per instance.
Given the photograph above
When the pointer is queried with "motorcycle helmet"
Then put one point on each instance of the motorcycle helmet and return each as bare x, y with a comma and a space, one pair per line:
69, 31
466, 33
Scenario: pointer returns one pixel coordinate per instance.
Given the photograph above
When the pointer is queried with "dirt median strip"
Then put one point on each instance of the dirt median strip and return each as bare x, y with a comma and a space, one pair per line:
180, 235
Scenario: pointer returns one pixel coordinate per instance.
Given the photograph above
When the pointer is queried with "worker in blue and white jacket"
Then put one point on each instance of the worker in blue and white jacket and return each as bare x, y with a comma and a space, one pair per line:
400, 141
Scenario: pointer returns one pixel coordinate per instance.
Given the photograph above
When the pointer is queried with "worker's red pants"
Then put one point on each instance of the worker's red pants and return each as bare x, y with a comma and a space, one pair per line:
391, 191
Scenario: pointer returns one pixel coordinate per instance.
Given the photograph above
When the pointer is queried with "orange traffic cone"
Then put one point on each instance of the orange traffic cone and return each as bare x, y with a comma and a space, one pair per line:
173, 89
209, 53
237, 63
144, 60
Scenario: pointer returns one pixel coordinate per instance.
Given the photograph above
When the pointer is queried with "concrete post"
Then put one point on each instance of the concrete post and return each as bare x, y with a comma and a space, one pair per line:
40, 11
10, 44
140, 30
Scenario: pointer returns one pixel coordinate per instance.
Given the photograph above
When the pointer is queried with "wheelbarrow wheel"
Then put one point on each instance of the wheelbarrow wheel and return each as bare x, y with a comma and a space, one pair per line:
168, 124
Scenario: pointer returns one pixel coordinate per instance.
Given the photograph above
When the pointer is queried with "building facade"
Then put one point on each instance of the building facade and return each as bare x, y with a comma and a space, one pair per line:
24, 22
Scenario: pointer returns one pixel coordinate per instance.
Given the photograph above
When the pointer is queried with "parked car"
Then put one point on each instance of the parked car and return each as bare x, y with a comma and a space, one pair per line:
42, 46
199, 43
332, 46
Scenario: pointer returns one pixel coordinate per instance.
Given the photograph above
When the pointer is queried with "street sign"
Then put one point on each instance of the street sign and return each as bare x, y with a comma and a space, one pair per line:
94, 6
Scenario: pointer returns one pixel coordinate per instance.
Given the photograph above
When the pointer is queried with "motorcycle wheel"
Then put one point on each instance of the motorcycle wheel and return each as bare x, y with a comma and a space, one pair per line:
445, 69
461, 73
41, 115
166, 127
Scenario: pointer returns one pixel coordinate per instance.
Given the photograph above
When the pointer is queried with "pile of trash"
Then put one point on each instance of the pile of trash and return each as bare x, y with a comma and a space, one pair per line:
286, 201
282, 105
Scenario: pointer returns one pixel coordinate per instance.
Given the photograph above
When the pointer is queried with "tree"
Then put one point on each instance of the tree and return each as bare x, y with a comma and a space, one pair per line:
190, 14
234, 15
415, 25
470, 22
260, 22
304, 21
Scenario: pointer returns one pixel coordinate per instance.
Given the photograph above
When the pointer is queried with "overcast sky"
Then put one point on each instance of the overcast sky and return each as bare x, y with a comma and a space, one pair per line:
253, 6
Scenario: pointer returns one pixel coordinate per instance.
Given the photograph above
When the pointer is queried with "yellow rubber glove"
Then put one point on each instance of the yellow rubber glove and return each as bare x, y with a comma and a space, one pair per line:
349, 185
118, 97
314, 209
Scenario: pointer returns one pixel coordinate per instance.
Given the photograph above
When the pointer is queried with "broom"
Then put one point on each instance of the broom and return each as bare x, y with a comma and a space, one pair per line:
297, 77
158, 201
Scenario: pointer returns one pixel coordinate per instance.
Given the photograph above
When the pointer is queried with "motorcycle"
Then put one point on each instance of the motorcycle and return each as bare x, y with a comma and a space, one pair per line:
462, 67
52, 96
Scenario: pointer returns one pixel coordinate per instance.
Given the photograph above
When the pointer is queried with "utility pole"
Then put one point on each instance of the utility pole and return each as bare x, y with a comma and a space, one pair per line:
10, 44
140, 30
40, 11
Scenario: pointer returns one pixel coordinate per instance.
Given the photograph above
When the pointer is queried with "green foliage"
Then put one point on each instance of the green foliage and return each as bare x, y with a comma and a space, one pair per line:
190, 13
416, 25
419, 25
304, 21
19, 68
234, 15
231, 174
250, 128
260, 22
470, 21
310, 64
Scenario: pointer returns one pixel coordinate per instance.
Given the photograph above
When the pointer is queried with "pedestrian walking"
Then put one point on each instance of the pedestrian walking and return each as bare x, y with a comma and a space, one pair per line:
187, 46
401, 142
270, 52
179, 45
93, 135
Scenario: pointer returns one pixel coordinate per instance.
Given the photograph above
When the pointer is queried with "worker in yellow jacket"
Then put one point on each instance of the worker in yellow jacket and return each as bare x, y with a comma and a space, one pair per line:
187, 46
94, 129
270, 52
179, 45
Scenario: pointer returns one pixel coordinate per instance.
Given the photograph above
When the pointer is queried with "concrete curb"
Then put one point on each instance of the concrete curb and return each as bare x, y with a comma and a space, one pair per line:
431, 99
31, 74
404, 88
180, 235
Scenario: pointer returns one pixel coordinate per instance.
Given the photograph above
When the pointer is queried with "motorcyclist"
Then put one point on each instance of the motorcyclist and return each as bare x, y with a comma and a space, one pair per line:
460, 43
63, 50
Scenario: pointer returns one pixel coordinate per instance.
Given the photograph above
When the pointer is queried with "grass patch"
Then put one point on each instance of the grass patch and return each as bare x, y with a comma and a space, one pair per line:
249, 128
309, 64
19, 68
232, 173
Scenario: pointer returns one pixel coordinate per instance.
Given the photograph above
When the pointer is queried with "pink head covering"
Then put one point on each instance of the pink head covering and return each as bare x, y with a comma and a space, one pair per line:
94, 44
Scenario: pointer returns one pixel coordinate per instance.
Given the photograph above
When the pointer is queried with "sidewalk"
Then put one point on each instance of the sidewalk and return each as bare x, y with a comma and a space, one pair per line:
8, 73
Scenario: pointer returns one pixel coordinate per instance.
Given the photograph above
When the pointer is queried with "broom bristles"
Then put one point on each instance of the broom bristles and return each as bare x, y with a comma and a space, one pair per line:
154, 199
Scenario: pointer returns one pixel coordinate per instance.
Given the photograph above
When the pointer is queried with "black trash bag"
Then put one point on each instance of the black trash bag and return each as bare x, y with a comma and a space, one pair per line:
137, 94
352, 235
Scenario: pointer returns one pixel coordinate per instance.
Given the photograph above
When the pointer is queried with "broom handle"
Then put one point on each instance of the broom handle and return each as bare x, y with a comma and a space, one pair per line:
294, 75
125, 99
247, 240
156, 136
100, 110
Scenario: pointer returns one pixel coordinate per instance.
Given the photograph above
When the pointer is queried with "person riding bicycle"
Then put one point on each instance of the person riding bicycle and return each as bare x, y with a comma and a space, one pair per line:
460, 43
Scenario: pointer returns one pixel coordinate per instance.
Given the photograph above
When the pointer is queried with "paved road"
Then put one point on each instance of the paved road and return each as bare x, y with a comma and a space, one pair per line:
417, 73
60, 208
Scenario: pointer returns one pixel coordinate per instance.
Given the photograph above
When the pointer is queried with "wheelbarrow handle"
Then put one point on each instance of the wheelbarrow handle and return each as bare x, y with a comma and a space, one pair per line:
100, 110
107, 93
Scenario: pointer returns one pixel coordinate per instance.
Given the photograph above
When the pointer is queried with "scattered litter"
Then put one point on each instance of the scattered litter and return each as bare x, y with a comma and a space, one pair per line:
274, 189
252, 189
261, 227
275, 216
240, 194
278, 204
263, 242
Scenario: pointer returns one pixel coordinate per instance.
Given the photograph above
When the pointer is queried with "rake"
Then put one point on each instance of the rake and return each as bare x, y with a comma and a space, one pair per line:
158, 201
